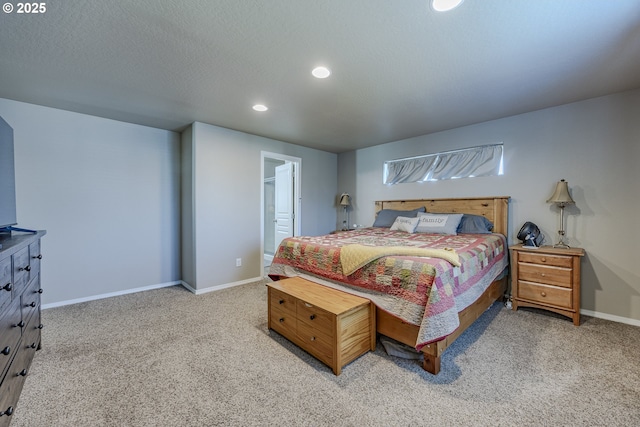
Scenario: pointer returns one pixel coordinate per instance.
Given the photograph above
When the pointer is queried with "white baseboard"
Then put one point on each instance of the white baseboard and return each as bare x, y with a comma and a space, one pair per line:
109, 295
218, 287
613, 318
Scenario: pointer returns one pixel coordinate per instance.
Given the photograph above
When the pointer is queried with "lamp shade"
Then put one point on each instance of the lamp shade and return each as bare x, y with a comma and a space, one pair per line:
345, 199
561, 194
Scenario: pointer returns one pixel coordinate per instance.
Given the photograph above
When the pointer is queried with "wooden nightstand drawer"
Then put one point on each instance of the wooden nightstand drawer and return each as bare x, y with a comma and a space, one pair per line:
544, 274
546, 259
544, 294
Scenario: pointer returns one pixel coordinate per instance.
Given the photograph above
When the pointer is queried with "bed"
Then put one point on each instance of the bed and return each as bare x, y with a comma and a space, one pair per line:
427, 288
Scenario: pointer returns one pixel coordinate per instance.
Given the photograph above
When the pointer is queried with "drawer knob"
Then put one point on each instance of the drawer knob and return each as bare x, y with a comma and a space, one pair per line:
33, 304
6, 350
313, 316
21, 324
40, 326
313, 338
281, 301
27, 268
37, 256
39, 291
543, 259
23, 373
542, 274
544, 294
281, 319
8, 412
33, 345
7, 287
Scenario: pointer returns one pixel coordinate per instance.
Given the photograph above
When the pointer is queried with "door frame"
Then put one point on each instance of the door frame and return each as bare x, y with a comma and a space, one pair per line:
297, 196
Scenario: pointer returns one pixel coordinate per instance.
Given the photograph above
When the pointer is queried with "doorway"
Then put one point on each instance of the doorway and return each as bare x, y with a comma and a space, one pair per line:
280, 200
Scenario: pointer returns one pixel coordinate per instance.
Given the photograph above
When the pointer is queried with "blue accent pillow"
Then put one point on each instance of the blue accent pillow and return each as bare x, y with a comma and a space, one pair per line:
474, 224
386, 217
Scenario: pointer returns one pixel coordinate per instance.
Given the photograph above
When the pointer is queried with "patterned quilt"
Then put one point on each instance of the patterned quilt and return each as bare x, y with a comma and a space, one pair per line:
424, 291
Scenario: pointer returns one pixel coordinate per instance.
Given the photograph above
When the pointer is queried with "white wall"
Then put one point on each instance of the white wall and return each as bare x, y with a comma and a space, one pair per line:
107, 194
226, 186
593, 144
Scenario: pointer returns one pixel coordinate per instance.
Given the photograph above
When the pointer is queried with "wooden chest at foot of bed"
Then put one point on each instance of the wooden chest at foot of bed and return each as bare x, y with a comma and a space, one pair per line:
333, 326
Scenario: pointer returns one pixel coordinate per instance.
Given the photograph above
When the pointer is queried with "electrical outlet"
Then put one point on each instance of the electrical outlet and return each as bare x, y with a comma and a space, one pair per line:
238, 262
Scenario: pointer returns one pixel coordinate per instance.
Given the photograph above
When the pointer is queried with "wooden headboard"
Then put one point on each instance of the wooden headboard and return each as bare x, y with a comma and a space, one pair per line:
495, 209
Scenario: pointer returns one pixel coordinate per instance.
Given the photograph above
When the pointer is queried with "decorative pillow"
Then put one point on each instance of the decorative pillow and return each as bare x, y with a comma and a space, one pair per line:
386, 217
403, 223
474, 224
438, 223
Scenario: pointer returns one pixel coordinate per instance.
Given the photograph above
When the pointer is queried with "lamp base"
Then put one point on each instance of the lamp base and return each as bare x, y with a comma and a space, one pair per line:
561, 245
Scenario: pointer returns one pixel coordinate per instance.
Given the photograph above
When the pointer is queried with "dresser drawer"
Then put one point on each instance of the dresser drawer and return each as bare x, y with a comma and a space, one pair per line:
544, 294
34, 257
12, 385
545, 274
5, 283
21, 269
282, 301
31, 332
316, 342
316, 318
10, 333
546, 259
31, 299
283, 321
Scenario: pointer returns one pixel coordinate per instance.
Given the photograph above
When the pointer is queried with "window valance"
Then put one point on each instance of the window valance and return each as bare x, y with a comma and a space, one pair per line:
485, 160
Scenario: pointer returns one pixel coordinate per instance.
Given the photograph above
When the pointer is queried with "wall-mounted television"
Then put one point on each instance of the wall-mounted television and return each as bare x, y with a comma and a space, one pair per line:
7, 177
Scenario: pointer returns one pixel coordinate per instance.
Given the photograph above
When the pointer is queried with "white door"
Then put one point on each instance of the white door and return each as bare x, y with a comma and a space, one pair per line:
285, 214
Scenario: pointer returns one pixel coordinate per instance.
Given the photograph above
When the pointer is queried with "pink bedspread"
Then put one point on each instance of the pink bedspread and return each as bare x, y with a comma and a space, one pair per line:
427, 292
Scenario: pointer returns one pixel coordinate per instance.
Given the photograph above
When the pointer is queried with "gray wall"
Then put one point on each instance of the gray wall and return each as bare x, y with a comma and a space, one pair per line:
593, 144
226, 189
107, 194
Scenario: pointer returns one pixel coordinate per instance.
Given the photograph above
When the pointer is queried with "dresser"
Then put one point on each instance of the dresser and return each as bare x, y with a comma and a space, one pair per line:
19, 314
547, 278
333, 326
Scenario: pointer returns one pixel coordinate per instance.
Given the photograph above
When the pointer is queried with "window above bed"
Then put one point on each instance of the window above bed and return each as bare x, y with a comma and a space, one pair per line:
485, 160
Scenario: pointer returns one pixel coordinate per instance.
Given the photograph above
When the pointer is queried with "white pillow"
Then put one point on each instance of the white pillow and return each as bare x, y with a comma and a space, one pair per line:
403, 223
438, 223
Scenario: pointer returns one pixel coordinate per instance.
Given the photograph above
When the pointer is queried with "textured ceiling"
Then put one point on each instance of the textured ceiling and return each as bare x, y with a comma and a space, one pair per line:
399, 68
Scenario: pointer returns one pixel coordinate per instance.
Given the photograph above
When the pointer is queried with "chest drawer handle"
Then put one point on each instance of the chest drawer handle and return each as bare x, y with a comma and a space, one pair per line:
27, 268
7, 287
23, 373
313, 316
39, 291
542, 274
20, 325
543, 259
8, 412
544, 294
6, 350
33, 304
33, 345
281, 301
313, 338
281, 320
40, 326
37, 256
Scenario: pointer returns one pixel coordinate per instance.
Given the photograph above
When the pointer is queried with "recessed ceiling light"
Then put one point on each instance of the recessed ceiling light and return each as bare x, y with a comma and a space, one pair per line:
321, 72
445, 5
260, 107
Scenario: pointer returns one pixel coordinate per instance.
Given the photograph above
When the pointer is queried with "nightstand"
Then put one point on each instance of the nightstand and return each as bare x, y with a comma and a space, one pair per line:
547, 278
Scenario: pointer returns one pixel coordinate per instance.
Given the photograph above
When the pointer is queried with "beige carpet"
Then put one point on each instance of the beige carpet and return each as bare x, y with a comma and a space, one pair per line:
170, 358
